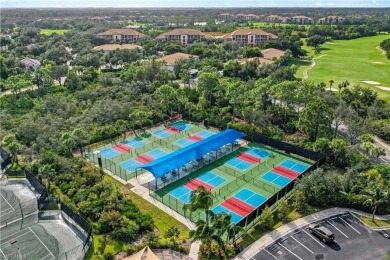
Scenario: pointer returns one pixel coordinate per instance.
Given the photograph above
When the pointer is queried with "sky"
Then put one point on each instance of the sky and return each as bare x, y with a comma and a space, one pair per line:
192, 3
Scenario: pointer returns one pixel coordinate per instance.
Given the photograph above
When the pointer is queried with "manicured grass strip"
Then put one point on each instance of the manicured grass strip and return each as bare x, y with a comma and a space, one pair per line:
377, 223
162, 220
51, 31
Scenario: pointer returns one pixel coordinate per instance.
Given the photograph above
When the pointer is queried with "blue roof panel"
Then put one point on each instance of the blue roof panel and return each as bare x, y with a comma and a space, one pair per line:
191, 152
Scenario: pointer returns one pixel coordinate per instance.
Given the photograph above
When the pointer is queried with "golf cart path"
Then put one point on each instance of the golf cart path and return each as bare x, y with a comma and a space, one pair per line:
380, 49
313, 63
265, 240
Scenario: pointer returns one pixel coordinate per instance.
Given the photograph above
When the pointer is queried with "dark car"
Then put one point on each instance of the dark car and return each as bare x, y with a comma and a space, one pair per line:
322, 232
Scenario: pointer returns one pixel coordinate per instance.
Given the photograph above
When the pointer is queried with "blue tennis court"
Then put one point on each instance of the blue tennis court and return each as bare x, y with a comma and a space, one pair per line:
130, 165
109, 153
250, 197
204, 133
294, 166
157, 153
258, 153
184, 142
181, 193
276, 179
212, 179
235, 217
181, 126
134, 143
162, 133
239, 164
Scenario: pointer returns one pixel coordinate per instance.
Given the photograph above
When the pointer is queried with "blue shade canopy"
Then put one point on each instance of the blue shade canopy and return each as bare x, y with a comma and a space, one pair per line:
190, 153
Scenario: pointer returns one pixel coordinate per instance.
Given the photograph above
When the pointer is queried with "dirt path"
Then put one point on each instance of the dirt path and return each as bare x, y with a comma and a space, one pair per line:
9, 92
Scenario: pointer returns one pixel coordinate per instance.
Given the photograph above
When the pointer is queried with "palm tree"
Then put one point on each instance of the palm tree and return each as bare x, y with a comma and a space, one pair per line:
79, 135
331, 82
68, 141
206, 234
374, 197
202, 199
121, 126
223, 222
14, 148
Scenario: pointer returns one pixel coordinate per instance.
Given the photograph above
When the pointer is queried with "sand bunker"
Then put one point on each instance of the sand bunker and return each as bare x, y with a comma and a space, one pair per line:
383, 88
378, 62
333, 89
370, 82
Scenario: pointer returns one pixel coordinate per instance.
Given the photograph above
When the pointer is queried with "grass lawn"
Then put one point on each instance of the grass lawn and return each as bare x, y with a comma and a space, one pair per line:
377, 223
162, 220
353, 60
51, 31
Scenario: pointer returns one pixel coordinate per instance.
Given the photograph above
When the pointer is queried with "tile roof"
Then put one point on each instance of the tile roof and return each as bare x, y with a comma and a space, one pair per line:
121, 32
248, 32
110, 47
184, 32
271, 53
28, 61
171, 59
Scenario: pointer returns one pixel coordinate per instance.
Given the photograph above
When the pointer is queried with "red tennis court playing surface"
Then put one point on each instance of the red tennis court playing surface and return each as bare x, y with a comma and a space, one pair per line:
144, 159
122, 148
238, 206
195, 183
249, 158
172, 130
285, 172
195, 138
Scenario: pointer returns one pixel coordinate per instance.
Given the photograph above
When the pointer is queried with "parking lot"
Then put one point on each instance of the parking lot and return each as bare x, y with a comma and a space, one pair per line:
352, 241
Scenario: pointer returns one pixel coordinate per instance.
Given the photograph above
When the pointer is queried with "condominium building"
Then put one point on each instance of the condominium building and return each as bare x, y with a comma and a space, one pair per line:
184, 36
250, 36
122, 35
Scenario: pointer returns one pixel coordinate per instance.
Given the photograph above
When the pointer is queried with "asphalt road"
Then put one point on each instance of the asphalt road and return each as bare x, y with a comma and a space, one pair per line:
352, 241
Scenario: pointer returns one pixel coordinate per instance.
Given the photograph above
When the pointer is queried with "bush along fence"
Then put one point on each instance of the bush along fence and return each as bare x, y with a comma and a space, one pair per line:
81, 227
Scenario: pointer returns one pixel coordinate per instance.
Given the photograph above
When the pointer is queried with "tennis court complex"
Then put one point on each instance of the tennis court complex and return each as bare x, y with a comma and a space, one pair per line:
124, 158
241, 181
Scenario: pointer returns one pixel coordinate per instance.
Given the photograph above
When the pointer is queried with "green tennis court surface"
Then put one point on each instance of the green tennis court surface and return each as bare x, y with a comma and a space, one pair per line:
122, 158
26, 244
249, 169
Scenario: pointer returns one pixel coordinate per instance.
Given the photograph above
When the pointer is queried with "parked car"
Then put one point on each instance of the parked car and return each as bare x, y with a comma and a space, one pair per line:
322, 232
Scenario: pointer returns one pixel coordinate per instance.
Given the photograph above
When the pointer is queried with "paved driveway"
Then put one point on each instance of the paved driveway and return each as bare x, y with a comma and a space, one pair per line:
352, 241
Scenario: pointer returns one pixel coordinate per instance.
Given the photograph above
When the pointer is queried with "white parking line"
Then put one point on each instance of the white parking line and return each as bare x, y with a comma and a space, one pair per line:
349, 225
270, 253
3, 254
337, 229
302, 245
289, 251
313, 238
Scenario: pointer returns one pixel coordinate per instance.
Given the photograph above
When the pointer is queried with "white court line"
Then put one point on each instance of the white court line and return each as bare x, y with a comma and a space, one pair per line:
313, 238
270, 253
7, 202
14, 238
349, 225
337, 229
45, 257
42, 243
3, 254
302, 245
289, 251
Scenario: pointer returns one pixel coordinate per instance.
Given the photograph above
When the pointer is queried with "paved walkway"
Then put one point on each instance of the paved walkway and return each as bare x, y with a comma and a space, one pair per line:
313, 63
264, 241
